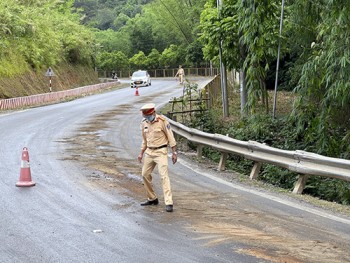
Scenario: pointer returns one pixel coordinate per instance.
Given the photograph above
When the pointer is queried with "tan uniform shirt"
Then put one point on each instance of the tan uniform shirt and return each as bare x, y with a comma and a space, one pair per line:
157, 133
181, 71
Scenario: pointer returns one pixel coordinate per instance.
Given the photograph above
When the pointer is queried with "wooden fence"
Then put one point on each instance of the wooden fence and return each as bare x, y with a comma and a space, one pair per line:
161, 73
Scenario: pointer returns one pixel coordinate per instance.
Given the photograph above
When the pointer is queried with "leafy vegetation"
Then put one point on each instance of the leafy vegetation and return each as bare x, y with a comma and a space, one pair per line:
160, 30
36, 34
278, 133
315, 59
314, 48
323, 104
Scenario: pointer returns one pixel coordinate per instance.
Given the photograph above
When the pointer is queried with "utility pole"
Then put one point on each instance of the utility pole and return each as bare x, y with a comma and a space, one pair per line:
242, 78
243, 91
278, 62
223, 77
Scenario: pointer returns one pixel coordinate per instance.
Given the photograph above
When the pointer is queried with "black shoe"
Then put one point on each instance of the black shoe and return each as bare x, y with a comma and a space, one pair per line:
169, 208
153, 202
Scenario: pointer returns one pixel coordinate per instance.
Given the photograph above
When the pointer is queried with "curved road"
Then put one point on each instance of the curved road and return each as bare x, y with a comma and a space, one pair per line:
85, 204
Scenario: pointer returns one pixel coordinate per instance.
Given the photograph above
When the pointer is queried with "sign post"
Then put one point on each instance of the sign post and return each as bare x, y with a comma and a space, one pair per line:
49, 73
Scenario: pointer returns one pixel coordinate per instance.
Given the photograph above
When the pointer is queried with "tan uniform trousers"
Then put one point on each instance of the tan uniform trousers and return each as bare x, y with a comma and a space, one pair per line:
152, 158
181, 76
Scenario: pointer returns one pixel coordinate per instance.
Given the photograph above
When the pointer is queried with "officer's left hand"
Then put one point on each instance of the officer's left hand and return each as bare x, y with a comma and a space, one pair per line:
174, 158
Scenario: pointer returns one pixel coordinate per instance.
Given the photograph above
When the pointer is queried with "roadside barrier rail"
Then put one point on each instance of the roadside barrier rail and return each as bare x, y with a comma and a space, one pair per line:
40, 99
302, 162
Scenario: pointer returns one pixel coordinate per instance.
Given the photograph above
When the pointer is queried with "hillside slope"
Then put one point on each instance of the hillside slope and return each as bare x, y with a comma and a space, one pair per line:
35, 82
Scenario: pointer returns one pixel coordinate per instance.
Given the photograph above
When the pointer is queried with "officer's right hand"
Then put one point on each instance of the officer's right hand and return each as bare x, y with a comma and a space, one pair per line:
139, 157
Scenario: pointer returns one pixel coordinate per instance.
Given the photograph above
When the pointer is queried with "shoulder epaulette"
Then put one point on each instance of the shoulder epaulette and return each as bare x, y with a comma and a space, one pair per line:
161, 117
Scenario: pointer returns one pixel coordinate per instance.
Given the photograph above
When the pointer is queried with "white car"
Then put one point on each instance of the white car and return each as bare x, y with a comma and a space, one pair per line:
140, 78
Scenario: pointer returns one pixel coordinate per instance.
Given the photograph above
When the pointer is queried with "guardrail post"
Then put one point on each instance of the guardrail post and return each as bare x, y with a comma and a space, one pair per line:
222, 162
255, 171
199, 151
300, 184
223, 159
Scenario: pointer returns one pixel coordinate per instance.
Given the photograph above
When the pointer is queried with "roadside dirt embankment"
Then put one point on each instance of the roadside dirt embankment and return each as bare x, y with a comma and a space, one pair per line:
35, 82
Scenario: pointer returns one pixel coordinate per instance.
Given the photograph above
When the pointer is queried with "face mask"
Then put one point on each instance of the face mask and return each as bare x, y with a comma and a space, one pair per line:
150, 118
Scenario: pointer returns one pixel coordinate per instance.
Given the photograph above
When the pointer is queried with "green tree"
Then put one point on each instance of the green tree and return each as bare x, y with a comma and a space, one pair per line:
170, 57
138, 61
87, 8
102, 14
144, 25
249, 34
112, 61
322, 109
300, 30
194, 54
165, 23
104, 18
120, 21
39, 33
111, 41
153, 59
140, 31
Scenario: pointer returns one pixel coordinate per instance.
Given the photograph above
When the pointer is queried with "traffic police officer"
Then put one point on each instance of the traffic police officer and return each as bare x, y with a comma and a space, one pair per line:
181, 74
156, 136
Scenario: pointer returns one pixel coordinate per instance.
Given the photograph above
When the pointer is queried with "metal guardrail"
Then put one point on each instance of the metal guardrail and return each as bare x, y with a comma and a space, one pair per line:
302, 162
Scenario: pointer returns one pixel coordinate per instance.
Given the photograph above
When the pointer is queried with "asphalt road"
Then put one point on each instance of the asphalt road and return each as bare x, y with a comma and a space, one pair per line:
85, 204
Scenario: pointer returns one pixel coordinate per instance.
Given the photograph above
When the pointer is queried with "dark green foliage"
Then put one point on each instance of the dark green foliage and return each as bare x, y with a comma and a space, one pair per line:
239, 164
194, 54
113, 61
329, 189
112, 41
277, 133
153, 59
314, 63
37, 34
143, 26
102, 14
249, 35
278, 176
324, 83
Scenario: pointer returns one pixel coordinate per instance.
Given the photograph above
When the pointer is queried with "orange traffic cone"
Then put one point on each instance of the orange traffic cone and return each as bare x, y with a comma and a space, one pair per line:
25, 178
137, 91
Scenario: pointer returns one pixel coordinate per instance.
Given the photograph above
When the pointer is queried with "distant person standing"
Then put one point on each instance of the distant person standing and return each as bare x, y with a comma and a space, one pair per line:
181, 74
156, 137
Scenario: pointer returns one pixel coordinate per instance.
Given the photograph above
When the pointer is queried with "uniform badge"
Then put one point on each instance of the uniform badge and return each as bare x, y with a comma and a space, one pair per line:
168, 126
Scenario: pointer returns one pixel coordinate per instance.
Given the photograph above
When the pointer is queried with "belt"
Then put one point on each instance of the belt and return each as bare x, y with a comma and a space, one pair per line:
156, 148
